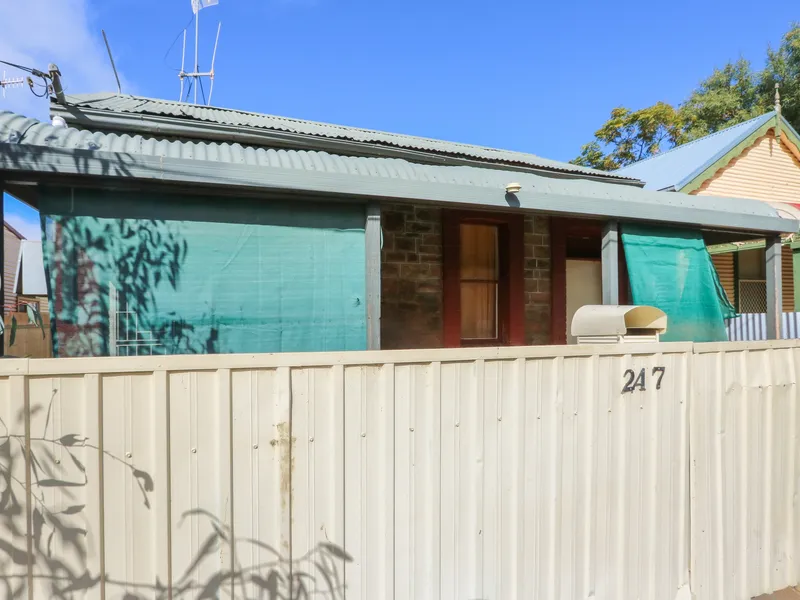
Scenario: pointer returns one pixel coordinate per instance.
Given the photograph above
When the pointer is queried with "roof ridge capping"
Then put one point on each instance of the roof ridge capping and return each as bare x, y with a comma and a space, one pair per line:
126, 105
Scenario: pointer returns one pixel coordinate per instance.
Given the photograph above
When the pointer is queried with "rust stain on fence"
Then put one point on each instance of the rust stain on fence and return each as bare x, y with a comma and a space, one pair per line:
285, 443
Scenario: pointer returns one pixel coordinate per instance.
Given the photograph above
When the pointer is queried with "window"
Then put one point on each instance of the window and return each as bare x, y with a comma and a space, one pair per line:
483, 279
480, 281
23, 303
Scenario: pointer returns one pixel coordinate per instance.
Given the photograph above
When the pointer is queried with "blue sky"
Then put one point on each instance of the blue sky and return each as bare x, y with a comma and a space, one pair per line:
530, 76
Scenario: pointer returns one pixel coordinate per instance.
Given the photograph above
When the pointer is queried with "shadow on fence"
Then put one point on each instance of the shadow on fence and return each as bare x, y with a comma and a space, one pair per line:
57, 557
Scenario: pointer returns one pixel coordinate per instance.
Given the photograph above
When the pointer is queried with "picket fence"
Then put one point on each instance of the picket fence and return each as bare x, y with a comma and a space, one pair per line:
752, 327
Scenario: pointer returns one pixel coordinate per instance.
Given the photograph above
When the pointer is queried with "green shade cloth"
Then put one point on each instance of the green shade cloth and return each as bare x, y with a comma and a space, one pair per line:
133, 274
671, 269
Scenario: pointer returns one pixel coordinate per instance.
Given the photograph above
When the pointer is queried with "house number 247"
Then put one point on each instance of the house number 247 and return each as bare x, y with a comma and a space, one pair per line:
634, 381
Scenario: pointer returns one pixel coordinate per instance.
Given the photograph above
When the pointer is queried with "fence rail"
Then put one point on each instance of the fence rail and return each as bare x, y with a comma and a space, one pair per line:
477, 473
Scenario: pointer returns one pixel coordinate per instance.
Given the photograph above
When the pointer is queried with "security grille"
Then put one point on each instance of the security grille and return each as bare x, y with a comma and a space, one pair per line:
125, 337
752, 296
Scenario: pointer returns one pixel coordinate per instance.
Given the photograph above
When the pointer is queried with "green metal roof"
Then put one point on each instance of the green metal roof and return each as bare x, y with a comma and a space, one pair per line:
118, 112
30, 149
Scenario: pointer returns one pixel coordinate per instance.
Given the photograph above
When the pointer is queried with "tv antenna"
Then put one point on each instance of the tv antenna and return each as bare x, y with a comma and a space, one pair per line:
196, 75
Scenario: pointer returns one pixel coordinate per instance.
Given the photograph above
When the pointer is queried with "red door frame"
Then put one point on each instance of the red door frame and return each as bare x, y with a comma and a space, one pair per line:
560, 230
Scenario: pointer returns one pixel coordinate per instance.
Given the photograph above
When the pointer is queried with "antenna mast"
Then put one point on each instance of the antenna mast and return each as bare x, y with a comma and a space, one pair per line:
196, 59
111, 58
196, 74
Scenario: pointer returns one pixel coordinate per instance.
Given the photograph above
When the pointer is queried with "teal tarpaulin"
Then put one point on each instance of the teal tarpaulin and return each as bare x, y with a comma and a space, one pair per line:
143, 273
671, 269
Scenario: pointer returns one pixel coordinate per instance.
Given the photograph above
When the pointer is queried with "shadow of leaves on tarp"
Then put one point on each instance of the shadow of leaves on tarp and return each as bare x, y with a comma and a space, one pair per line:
62, 534
89, 255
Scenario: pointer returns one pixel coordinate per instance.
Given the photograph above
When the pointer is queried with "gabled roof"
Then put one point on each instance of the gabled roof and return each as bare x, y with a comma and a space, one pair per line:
135, 114
680, 167
30, 149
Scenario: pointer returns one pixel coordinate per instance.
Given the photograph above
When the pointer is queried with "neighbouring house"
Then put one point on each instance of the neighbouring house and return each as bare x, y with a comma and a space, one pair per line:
12, 241
24, 283
23, 272
757, 159
30, 284
176, 228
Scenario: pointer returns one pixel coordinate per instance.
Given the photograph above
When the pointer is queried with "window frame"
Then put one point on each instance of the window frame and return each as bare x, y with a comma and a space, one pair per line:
511, 277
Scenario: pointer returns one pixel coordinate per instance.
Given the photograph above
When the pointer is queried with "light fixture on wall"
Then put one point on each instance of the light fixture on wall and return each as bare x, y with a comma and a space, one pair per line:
513, 188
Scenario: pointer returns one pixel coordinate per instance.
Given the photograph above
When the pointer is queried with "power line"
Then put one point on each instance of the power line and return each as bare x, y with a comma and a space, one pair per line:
177, 37
35, 72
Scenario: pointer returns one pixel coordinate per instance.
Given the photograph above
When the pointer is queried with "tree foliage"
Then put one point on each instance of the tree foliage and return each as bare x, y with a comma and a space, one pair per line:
633, 135
730, 95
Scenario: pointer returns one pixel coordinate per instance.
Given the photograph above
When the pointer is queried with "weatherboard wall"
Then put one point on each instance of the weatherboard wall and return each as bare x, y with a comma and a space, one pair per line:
11, 247
767, 170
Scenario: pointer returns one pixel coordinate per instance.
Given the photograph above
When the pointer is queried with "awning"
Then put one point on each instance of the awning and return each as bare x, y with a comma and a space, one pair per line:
35, 151
786, 210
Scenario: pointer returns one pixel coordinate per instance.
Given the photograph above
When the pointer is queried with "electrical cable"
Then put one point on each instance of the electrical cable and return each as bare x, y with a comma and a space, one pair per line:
43, 94
202, 91
36, 73
172, 45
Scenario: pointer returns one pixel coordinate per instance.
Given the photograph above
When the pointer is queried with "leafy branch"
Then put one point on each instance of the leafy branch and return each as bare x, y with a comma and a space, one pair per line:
730, 95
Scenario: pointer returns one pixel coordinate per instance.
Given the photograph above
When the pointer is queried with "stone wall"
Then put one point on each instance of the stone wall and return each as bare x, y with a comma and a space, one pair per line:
411, 278
537, 280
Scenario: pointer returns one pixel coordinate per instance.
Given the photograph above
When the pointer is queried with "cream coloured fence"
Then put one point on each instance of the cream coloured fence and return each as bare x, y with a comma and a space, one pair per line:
470, 474
745, 469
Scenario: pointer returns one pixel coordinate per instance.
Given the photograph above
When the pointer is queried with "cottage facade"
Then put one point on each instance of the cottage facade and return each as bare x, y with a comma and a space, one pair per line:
177, 228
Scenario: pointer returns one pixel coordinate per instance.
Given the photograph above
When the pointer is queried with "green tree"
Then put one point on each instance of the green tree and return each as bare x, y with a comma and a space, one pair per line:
783, 67
730, 95
629, 136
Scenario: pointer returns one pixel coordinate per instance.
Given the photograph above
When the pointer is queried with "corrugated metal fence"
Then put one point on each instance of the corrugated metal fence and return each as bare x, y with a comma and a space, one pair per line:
470, 474
745, 469
752, 327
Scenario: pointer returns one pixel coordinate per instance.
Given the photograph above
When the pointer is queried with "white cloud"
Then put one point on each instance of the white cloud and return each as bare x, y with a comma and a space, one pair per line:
29, 228
38, 32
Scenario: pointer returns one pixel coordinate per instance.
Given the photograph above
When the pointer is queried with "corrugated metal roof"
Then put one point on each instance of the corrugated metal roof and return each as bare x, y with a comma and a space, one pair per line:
677, 167
119, 103
201, 163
